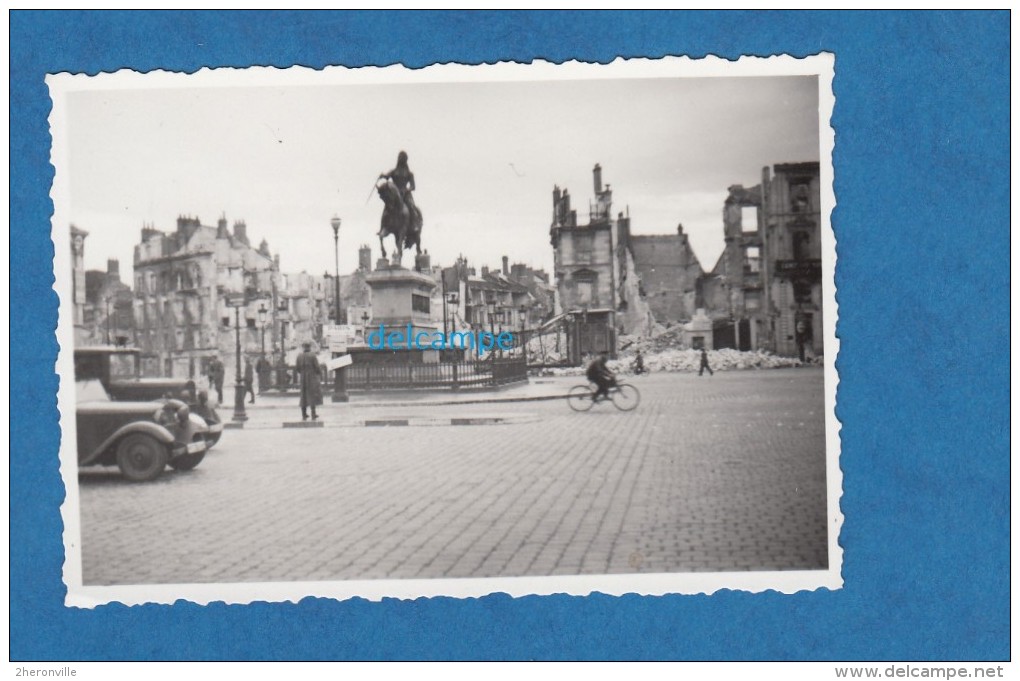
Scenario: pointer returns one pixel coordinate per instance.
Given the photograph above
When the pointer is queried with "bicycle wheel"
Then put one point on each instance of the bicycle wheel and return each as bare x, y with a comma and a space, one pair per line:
626, 397
579, 398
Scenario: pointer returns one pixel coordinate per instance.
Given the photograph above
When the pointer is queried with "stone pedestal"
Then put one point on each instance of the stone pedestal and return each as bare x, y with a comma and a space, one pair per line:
400, 297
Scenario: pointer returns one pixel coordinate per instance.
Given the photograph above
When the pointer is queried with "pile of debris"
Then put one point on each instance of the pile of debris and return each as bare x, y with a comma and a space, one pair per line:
690, 360
663, 339
720, 360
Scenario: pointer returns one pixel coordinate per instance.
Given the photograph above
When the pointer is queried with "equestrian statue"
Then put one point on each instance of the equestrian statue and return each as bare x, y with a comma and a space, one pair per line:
401, 216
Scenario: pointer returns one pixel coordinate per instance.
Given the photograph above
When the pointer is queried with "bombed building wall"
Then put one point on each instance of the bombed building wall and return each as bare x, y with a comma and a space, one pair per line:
792, 228
668, 271
765, 290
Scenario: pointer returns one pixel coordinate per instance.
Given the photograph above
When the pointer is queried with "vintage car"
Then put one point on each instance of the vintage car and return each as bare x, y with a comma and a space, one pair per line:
118, 369
140, 438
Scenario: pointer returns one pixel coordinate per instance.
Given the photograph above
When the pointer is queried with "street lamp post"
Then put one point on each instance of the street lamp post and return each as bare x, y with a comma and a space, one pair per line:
335, 223
240, 416
339, 375
524, 345
107, 301
263, 313
490, 308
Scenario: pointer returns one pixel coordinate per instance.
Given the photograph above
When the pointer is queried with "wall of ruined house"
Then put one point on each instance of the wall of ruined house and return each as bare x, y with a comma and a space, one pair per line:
634, 316
668, 271
793, 221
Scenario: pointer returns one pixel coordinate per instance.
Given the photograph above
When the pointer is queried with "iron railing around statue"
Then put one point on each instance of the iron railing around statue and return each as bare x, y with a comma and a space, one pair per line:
446, 374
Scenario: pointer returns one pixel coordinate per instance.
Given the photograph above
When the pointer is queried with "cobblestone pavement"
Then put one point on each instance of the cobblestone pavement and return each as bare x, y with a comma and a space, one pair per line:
708, 474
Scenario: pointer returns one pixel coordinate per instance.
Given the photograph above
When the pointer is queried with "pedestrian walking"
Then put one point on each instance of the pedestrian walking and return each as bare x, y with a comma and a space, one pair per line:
309, 372
282, 374
704, 363
639, 364
263, 369
249, 380
216, 374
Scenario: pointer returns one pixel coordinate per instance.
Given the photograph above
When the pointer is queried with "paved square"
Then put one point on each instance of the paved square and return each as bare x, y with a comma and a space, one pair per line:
708, 474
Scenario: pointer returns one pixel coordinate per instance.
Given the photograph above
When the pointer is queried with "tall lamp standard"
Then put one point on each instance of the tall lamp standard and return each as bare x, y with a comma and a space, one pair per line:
490, 308
237, 302
524, 345
339, 375
107, 302
335, 223
263, 313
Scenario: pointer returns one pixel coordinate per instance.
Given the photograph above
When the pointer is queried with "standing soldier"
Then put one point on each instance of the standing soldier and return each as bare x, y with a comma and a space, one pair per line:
216, 375
262, 368
309, 371
249, 380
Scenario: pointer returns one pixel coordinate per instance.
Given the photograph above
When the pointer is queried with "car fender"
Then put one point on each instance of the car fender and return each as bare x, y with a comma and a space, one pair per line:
154, 430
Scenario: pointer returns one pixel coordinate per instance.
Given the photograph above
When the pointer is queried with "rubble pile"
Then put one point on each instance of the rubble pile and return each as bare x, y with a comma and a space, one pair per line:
543, 350
690, 360
662, 339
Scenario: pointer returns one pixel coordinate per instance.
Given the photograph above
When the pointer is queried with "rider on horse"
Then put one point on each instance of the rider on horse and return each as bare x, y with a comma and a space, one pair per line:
401, 216
404, 179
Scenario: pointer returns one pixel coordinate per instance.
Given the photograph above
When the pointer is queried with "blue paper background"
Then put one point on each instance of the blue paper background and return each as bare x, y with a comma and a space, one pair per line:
922, 223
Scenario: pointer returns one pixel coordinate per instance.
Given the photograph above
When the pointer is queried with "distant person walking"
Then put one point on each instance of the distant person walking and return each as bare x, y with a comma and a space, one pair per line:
639, 364
249, 380
216, 374
309, 371
263, 369
704, 363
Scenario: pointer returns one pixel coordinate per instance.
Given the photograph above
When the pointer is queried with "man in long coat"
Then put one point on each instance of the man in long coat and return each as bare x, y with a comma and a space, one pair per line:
309, 371
262, 368
249, 380
216, 375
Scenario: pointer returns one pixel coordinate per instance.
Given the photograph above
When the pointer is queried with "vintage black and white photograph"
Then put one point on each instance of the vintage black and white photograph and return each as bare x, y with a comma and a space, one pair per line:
382, 332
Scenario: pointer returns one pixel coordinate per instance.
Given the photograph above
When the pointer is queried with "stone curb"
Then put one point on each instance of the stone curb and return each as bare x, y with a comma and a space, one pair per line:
420, 403
390, 423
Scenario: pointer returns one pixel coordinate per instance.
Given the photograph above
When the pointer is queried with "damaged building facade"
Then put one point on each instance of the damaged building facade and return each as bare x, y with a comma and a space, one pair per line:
186, 283
611, 282
765, 291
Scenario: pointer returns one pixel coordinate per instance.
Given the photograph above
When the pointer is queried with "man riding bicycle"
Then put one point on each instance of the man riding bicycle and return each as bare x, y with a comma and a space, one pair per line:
599, 374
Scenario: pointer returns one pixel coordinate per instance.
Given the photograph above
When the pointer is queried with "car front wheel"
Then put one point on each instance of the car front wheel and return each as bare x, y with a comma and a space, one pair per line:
141, 457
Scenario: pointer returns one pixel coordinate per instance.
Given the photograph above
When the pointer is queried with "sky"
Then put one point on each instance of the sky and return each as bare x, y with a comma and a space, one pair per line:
486, 156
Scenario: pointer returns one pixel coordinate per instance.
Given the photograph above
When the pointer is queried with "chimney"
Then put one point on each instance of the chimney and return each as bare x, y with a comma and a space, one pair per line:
241, 232
113, 270
597, 172
506, 266
365, 258
221, 228
485, 270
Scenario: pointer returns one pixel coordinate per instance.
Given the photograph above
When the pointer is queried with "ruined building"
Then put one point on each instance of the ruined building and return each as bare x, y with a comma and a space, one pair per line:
765, 292
612, 282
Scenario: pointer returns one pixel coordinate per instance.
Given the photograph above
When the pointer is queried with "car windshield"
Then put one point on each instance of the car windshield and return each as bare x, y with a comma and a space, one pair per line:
123, 365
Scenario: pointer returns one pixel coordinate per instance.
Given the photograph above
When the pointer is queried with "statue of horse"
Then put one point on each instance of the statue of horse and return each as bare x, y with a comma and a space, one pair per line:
397, 219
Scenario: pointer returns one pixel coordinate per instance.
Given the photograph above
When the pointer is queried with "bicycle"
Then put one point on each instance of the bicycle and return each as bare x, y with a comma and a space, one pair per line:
624, 397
